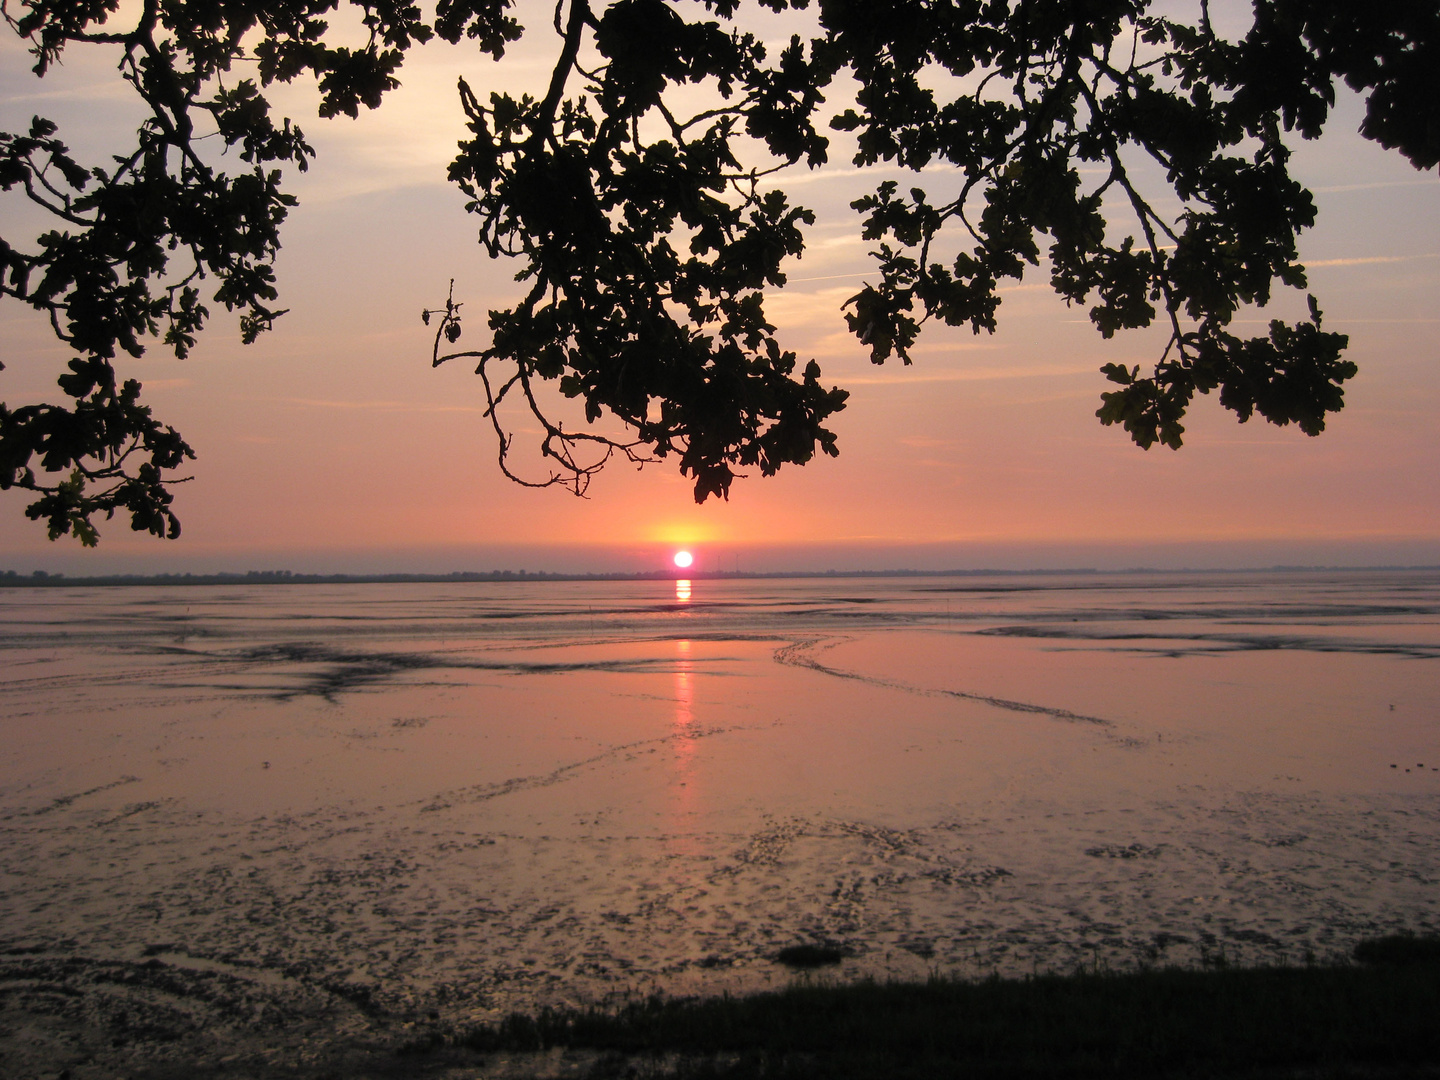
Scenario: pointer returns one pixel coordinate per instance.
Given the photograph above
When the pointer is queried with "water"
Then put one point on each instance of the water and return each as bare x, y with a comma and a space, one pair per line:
246, 817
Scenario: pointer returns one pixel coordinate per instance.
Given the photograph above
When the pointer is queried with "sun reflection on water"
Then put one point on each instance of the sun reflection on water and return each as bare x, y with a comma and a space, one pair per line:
682, 590
681, 825
684, 690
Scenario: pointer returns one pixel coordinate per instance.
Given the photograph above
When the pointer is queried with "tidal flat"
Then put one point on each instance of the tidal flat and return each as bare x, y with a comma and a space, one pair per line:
247, 829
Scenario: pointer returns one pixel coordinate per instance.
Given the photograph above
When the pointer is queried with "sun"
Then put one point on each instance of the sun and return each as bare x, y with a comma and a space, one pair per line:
683, 559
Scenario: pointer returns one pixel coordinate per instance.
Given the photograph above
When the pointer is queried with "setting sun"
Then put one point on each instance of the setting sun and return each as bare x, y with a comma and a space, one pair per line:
683, 559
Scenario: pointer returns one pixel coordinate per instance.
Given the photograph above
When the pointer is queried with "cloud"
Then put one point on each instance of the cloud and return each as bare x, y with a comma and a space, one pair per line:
921, 442
1367, 260
965, 375
1266, 322
1336, 188
380, 406
829, 277
787, 308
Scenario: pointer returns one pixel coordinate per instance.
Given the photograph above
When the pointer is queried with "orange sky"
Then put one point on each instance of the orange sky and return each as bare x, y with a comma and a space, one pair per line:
331, 444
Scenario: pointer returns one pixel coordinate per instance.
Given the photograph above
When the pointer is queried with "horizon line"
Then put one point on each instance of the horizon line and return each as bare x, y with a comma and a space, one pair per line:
12, 579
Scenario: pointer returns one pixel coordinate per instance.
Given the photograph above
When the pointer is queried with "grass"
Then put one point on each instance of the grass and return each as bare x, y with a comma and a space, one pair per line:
1379, 1017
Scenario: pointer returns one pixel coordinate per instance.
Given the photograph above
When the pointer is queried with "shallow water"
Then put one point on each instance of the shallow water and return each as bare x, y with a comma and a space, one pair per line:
246, 817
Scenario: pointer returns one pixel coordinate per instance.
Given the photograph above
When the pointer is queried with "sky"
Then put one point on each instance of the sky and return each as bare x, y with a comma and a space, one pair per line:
331, 445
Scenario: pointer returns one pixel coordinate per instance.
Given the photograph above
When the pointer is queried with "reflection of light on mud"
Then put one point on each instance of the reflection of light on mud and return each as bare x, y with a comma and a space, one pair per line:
682, 592
681, 826
684, 691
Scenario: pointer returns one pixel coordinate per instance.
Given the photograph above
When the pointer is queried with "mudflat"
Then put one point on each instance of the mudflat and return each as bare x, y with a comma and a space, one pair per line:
252, 830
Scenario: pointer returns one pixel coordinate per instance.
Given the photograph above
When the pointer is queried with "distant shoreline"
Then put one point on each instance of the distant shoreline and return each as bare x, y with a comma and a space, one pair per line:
10, 579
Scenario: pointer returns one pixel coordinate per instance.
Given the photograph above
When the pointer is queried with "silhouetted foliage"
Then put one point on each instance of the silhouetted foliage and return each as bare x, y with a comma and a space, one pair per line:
646, 228
135, 238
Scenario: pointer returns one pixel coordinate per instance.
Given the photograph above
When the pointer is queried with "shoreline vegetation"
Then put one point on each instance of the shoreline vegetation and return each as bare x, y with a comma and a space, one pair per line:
11, 579
1374, 1017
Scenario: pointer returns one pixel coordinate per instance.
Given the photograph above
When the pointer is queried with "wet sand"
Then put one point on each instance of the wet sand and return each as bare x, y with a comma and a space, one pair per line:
246, 827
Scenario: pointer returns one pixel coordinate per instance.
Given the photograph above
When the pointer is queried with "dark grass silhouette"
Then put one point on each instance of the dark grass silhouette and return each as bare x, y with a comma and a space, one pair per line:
1379, 1017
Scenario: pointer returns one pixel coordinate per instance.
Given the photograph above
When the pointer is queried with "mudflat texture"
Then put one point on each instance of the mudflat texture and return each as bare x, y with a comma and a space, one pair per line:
266, 828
